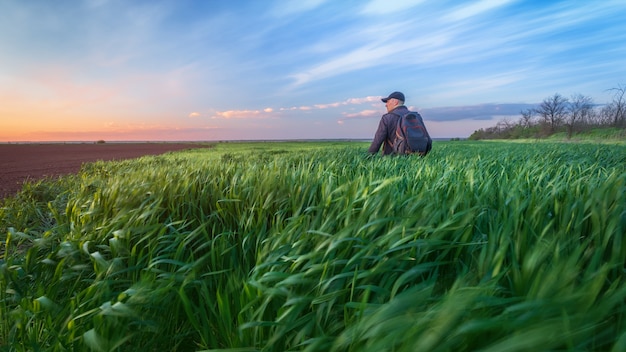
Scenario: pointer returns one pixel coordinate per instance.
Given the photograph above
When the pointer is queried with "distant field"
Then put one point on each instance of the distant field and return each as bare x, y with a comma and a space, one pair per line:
317, 246
33, 161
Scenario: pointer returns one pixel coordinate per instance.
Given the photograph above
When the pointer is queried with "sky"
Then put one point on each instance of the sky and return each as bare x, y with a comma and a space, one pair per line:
200, 70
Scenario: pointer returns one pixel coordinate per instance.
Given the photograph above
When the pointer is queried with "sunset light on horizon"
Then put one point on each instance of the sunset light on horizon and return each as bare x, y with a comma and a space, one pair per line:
195, 70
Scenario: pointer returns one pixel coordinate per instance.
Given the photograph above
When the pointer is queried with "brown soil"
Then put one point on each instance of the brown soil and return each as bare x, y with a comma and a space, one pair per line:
30, 162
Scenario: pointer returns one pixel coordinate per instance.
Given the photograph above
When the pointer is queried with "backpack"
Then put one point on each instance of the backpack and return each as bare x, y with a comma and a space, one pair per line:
411, 135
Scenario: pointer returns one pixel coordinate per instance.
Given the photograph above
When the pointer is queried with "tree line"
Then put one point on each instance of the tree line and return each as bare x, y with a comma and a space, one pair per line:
558, 114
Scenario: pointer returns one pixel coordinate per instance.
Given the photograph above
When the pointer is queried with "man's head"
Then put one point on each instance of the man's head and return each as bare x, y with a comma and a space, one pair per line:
394, 100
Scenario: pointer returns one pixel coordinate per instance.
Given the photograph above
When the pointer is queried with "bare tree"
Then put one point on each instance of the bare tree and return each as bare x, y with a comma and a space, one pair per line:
553, 111
594, 118
606, 115
527, 118
579, 110
616, 110
504, 125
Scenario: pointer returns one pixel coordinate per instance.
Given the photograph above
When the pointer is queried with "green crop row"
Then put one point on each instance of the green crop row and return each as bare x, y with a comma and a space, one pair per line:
320, 247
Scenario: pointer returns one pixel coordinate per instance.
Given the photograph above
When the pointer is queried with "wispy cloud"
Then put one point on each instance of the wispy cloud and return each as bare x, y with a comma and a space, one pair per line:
271, 112
361, 114
378, 7
384, 52
242, 114
291, 7
363, 57
467, 11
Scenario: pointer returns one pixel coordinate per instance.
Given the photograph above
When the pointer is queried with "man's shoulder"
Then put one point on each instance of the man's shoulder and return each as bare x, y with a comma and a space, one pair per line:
396, 113
400, 110
391, 116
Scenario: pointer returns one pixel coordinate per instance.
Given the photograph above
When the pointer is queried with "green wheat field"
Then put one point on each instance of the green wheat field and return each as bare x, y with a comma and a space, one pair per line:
316, 246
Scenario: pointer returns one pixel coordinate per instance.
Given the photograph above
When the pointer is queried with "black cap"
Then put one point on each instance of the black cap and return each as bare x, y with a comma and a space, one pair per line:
395, 95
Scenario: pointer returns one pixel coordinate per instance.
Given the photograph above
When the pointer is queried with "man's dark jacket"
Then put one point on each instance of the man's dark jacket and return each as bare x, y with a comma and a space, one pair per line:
386, 132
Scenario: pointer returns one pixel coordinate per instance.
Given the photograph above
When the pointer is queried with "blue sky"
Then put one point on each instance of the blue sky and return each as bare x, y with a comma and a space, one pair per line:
224, 70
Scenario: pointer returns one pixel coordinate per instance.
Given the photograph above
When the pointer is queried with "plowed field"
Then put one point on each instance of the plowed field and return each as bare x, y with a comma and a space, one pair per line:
22, 162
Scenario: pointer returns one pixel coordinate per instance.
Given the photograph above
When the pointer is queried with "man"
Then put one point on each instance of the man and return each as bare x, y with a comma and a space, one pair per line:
386, 132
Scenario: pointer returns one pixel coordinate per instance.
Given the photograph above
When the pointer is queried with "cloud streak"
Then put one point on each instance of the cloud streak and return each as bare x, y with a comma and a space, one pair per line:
475, 112
478, 8
378, 7
271, 112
